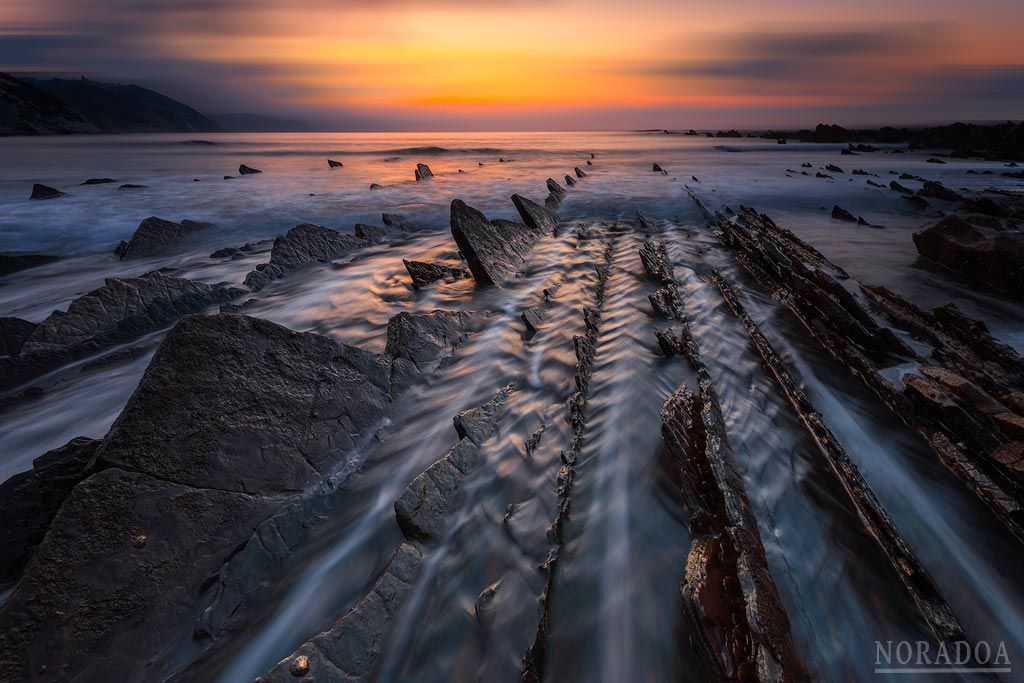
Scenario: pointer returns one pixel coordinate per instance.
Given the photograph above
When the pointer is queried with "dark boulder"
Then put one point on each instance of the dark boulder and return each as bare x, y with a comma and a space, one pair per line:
832, 168
555, 189
247, 170
896, 187
425, 337
839, 213
331, 163
156, 235
376, 186
495, 250
993, 257
45, 192
579, 172
423, 273
394, 221
658, 169
423, 172
569, 180
937, 190
371, 233
12, 263
29, 500
304, 244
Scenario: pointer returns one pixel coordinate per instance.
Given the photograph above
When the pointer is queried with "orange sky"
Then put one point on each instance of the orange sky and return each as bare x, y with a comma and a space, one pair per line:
453, 63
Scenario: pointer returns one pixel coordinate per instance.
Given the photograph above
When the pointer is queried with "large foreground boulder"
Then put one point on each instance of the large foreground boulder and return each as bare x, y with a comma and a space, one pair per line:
495, 250
993, 257
305, 243
156, 235
120, 310
232, 414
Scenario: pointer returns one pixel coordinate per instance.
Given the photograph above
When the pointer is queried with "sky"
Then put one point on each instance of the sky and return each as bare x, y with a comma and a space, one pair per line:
542, 64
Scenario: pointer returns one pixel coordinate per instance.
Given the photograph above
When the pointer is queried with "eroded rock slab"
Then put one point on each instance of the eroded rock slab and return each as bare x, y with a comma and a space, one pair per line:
423, 273
995, 258
538, 217
156, 235
304, 244
495, 250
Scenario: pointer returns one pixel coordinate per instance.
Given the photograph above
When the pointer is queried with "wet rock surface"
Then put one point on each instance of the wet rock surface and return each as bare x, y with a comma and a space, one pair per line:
156, 235
993, 257
304, 244
120, 310
423, 172
496, 250
45, 192
422, 273
248, 170
12, 263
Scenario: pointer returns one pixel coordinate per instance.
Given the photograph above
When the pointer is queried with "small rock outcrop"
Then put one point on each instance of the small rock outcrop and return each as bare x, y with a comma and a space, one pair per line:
579, 172
156, 235
12, 263
423, 338
839, 213
422, 273
990, 256
423, 172
495, 250
937, 190
371, 233
99, 181
13, 333
45, 192
305, 243
538, 217
248, 170
331, 163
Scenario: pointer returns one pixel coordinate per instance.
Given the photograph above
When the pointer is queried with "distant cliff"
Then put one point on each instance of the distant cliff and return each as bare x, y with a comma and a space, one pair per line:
57, 105
27, 110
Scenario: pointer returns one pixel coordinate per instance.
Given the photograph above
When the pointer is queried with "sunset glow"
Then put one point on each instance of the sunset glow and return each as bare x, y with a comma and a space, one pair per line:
434, 64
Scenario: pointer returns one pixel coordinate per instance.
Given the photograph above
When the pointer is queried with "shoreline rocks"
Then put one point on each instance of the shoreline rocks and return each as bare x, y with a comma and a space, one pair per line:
993, 257
156, 235
304, 244
248, 170
423, 273
495, 250
423, 172
40, 192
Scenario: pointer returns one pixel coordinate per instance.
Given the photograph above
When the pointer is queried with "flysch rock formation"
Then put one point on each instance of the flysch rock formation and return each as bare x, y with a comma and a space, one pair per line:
351, 647
234, 418
423, 273
304, 244
495, 250
985, 255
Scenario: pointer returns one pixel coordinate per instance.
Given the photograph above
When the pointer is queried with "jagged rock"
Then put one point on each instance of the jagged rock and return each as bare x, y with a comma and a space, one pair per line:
665, 302
832, 168
375, 186
371, 233
423, 172
495, 250
350, 649
120, 310
425, 337
658, 169
99, 181
423, 273
331, 163
579, 172
394, 221
842, 214
532, 319
423, 508
993, 257
247, 170
569, 180
937, 190
555, 189
819, 174
45, 192
156, 235
920, 203
872, 183
12, 263
305, 243
13, 333
29, 500
589, 162
654, 258
669, 343
232, 413
535, 216
807, 164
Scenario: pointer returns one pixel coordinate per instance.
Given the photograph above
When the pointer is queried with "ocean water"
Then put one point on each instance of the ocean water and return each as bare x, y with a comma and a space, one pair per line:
617, 612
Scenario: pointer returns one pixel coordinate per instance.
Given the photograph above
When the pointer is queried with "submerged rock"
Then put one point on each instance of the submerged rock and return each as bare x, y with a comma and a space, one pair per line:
99, 181
120, 310
130, 186
579, 172
331, 163
45, 192
372, 233
842, 214
993, 257
30, 500
423, 172
658, 169
937, 190
569, 180
156, 235
495, 250
423, 273
247, 170
423, 338
12, 263
394, 221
